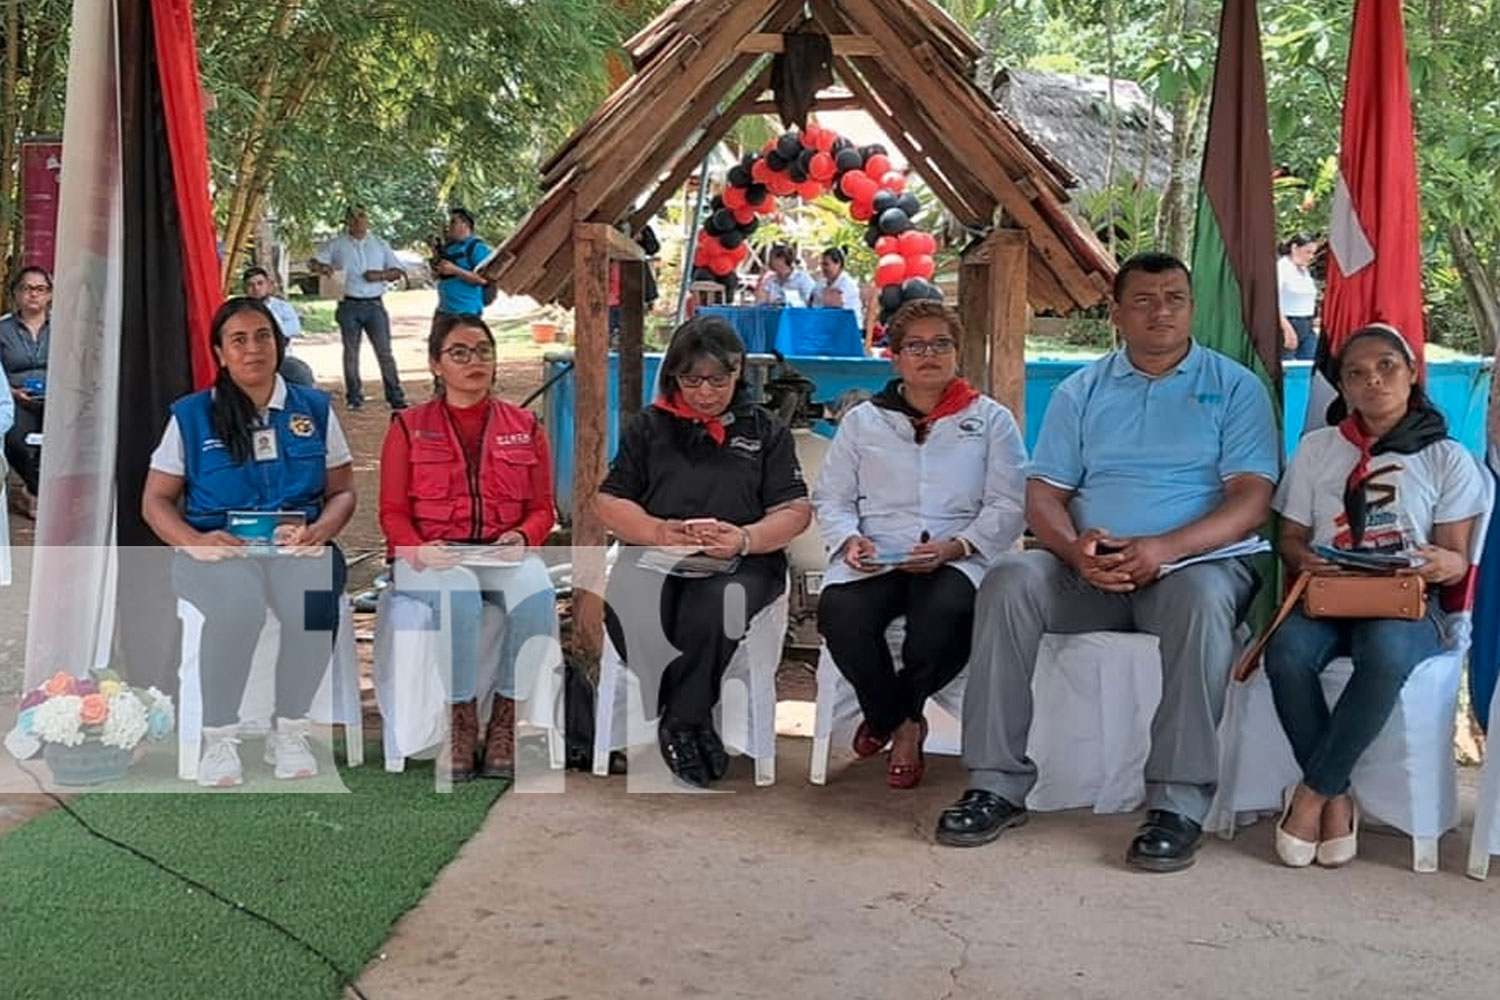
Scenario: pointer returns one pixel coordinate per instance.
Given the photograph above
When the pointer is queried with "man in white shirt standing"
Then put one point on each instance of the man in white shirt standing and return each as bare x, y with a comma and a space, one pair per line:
368, 262
259, 286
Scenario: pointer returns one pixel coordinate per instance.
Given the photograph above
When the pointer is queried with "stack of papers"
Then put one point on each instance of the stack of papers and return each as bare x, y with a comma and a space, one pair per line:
1252, 546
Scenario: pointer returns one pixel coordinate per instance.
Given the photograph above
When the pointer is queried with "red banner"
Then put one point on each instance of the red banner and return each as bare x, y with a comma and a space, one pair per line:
41, 184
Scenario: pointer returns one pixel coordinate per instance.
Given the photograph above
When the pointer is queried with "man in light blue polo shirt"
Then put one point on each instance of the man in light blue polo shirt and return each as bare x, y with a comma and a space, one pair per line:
368, 262
1157, 452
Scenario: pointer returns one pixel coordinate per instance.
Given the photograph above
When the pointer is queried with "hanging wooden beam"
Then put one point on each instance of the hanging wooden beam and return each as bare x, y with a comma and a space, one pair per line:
843, 45
632, 338
821, 104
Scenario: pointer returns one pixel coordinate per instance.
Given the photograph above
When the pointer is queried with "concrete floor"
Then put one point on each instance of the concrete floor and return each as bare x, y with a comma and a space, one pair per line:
800, 892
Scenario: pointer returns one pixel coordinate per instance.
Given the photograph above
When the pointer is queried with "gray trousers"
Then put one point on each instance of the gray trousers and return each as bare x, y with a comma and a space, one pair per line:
1193, 614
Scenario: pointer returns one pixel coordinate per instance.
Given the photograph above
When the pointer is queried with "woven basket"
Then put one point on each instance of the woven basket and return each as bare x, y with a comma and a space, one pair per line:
88, 763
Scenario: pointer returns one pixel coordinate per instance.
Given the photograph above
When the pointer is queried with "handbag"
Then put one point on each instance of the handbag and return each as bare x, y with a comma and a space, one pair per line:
1343, 595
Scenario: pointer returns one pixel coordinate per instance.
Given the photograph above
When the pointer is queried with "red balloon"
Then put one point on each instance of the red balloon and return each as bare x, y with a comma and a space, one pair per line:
888, 245
920, 266
742, 251
826, 138
891, 270
861, 211
766, 205
912, 243
720, 265
859, 186
821, 168
810, 136
893, 180
744, 215
878, 165
781, 185
929, 243
760, 171
810, 190
734, 198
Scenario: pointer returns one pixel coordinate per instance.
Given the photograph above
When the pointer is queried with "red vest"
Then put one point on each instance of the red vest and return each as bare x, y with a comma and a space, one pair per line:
452, 502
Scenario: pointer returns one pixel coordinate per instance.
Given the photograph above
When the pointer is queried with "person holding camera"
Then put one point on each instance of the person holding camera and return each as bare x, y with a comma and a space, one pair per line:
456, 260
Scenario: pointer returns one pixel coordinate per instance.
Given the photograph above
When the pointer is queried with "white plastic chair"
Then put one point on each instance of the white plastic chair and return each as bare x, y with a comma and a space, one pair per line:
1407, 778
414, 709
5, 565
339, 692
837, 713
746, 714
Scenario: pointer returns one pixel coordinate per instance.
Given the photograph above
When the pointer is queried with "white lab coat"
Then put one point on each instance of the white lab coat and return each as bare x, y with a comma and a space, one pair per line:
967, 478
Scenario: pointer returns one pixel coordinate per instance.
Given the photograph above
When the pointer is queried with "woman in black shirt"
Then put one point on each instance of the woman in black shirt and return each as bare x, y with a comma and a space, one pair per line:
702, 469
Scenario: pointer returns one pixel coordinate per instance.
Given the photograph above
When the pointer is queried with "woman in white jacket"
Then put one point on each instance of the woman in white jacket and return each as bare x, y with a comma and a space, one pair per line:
921, 490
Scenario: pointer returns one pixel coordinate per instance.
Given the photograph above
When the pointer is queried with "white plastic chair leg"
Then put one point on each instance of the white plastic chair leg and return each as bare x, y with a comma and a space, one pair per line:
765, 771
1424, 854
556, 749
822, 747
601, 762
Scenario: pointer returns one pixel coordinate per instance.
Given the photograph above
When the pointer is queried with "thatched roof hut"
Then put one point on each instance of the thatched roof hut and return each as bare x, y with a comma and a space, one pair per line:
1070, 116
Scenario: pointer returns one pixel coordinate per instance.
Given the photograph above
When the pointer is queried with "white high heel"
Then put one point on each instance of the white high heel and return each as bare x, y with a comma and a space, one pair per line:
1294, 852
1340, 851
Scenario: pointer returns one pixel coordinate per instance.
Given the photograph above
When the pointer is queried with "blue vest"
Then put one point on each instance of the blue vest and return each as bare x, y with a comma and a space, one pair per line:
295, 480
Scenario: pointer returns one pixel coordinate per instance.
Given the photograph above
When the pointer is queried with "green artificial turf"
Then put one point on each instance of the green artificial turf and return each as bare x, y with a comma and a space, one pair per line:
82, 918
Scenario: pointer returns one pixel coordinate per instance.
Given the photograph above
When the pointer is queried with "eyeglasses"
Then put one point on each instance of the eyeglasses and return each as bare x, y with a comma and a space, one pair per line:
921, 348
36, 289
462, 354
716, 381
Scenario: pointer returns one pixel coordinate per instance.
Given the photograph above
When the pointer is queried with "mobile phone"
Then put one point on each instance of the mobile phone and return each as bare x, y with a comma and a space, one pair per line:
897, 558
697, 524
1103, 548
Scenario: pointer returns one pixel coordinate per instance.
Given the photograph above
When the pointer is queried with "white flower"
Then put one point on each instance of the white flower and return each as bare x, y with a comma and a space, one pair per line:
57, 720
126, 723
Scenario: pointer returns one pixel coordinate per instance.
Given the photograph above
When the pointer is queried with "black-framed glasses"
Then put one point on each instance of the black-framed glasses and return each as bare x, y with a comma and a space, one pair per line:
462, 354
919, 348
715, 381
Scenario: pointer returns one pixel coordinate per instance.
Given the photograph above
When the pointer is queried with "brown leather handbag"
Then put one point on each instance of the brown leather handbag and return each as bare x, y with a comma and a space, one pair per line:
1343, 595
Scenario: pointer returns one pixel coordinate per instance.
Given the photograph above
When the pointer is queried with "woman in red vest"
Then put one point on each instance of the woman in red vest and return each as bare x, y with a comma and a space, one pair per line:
465, 492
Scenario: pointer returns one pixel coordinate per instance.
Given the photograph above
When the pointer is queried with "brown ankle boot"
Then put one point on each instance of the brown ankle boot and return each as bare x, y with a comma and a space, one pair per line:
463, 740
500, 740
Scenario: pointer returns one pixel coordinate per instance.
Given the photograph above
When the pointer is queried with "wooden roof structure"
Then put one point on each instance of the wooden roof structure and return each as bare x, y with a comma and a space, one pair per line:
703, 64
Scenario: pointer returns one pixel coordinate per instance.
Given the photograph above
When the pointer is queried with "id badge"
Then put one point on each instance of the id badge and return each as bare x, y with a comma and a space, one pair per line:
265, 444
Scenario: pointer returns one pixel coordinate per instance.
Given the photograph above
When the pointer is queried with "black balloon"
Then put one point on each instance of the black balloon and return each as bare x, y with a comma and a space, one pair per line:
848, 159
775, 160
716, 203
883, 201
797, 173
711, 225
739, 175
840, 144
755, 194
789, 145
876, 149
704, 274
890, 297
910, 204
914, 288
749, 227
886, 314
893, 222
732, 239
872, 236
838, 193
723, 220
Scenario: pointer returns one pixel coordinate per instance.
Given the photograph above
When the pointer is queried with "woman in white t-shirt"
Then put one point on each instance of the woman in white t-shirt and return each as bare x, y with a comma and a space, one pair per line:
782, 276
837, 289
1297, 295
1383, 477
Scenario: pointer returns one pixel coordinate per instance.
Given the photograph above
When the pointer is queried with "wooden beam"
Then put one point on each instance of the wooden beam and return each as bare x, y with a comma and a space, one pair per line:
1009, 249
623, 248
821, 104
843, 45
632, 339
591, 415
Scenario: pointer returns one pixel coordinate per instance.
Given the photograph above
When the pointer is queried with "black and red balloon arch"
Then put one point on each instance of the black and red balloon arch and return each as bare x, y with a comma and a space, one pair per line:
809, 164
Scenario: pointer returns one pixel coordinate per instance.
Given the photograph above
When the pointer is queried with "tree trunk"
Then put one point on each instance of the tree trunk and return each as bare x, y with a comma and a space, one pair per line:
9, 123
1480, 287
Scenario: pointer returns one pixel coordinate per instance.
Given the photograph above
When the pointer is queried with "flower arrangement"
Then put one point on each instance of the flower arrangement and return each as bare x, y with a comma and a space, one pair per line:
101, 709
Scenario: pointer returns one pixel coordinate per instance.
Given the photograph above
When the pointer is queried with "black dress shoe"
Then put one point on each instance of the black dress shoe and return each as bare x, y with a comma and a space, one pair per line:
679, 748
715, 757
978, 818
1165, 842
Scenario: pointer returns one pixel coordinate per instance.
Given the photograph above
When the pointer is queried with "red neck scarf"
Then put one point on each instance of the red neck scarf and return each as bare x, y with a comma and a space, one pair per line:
958, 395
674, 405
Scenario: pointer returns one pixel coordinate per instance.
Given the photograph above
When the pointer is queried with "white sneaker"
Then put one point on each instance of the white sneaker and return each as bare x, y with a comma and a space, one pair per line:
288, 751
220, 766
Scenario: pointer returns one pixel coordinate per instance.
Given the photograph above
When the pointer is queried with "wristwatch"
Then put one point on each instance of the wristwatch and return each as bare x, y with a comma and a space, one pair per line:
966, 545
744, 541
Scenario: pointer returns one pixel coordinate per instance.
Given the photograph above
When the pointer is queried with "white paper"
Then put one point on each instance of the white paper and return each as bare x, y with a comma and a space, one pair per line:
1252, 546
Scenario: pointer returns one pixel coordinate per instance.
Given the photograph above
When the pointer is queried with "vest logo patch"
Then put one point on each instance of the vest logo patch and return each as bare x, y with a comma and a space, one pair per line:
212, 444
750, 446
511, 440
971, 425
301, 425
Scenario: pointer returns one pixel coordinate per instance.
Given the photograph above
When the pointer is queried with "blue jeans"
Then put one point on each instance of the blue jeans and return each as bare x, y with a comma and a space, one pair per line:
367, 316
524, 593
1307, 340
1385, 651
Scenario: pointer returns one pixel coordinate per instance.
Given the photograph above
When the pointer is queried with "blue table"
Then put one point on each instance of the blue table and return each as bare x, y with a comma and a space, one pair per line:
792, 331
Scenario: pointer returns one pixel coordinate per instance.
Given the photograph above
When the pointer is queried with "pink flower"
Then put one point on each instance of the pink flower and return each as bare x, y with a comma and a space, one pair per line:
58, 683
94, 710
33, 698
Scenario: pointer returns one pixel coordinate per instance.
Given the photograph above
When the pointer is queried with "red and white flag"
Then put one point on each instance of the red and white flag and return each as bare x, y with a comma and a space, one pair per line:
1375, 267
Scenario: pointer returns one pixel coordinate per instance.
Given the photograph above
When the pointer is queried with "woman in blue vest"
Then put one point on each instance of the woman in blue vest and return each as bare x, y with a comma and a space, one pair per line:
253, 443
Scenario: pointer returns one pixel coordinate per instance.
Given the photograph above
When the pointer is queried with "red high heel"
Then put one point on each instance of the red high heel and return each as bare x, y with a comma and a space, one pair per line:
866, 743
909, 775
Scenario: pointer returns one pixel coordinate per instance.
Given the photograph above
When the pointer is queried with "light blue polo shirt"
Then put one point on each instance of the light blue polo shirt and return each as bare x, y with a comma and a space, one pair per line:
1146, 455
